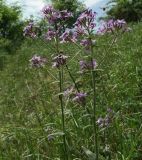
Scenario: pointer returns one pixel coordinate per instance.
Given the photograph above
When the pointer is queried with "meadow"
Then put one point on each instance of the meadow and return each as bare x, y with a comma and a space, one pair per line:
30, 112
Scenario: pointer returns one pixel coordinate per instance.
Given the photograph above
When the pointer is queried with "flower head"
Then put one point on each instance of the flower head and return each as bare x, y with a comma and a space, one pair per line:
53, 15
86, 19
65, 14
80, 97
112, 25
68, 36
37, 61
50, 34
59, 60
29, 30
84, 65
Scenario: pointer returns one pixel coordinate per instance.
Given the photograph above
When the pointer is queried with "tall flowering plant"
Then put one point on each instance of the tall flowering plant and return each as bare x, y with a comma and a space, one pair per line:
82, 35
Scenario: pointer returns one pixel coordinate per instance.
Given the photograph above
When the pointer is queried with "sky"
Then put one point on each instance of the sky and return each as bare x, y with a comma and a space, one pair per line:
33, 7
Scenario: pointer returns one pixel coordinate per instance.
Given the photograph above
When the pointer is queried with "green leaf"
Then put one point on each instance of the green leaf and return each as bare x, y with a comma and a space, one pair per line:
89, 154
56, 134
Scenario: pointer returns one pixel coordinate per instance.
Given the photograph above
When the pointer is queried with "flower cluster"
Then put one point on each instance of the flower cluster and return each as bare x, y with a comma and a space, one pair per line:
50, 34
29, 30
80, 98
59, 60
105, 122
37, 61
86, 20
112, 25
53, 16
83, 26
68, 36
84, 65
55, 19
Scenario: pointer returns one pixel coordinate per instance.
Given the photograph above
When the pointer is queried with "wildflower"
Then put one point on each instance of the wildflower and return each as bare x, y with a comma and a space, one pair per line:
65, 14
119, 23
86, 43
28, 30
80, 97
68, 36
37, 61
105, 122
84, 65
59, 60
50, 34
51, 14
112, 25
86, 19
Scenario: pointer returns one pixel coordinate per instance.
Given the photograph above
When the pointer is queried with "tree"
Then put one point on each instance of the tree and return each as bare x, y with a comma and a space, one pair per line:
11, 26
130, 10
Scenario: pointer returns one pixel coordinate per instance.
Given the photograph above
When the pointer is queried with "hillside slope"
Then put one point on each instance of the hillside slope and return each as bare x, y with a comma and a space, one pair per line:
29, 105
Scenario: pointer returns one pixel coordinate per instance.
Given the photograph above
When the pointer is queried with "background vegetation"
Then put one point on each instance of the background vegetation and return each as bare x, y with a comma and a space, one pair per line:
130, 10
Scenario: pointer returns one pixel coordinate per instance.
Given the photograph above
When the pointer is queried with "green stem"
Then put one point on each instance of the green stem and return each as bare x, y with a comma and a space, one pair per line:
62, 109
72, 78
94, 104
61, 98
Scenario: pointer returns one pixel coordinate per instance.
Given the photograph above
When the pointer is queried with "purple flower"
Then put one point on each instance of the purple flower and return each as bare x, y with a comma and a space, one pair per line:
120, 23
84, 65
112, 25
51, 14
86, 20
50, 34
28, 30
106, 121
47, 10
59, 60
65, 14
37, 61
68, 36
80, 98
86, 43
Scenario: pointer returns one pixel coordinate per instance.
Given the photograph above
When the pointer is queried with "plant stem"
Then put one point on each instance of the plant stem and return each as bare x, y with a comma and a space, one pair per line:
61, 98
62, 109
72, 78
94, 104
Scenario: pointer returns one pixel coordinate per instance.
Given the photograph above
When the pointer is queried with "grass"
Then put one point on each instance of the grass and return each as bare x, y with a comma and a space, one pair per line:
30, 114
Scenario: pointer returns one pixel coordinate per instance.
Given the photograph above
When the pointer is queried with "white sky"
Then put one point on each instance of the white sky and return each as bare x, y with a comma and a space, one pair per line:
33, 7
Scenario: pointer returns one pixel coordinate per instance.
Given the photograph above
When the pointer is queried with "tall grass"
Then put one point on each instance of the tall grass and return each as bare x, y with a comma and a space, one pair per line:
30, 117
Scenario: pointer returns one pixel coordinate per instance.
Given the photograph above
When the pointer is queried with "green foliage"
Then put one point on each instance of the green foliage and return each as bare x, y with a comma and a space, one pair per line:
30, 116
10, 27
130, 10
73, 6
